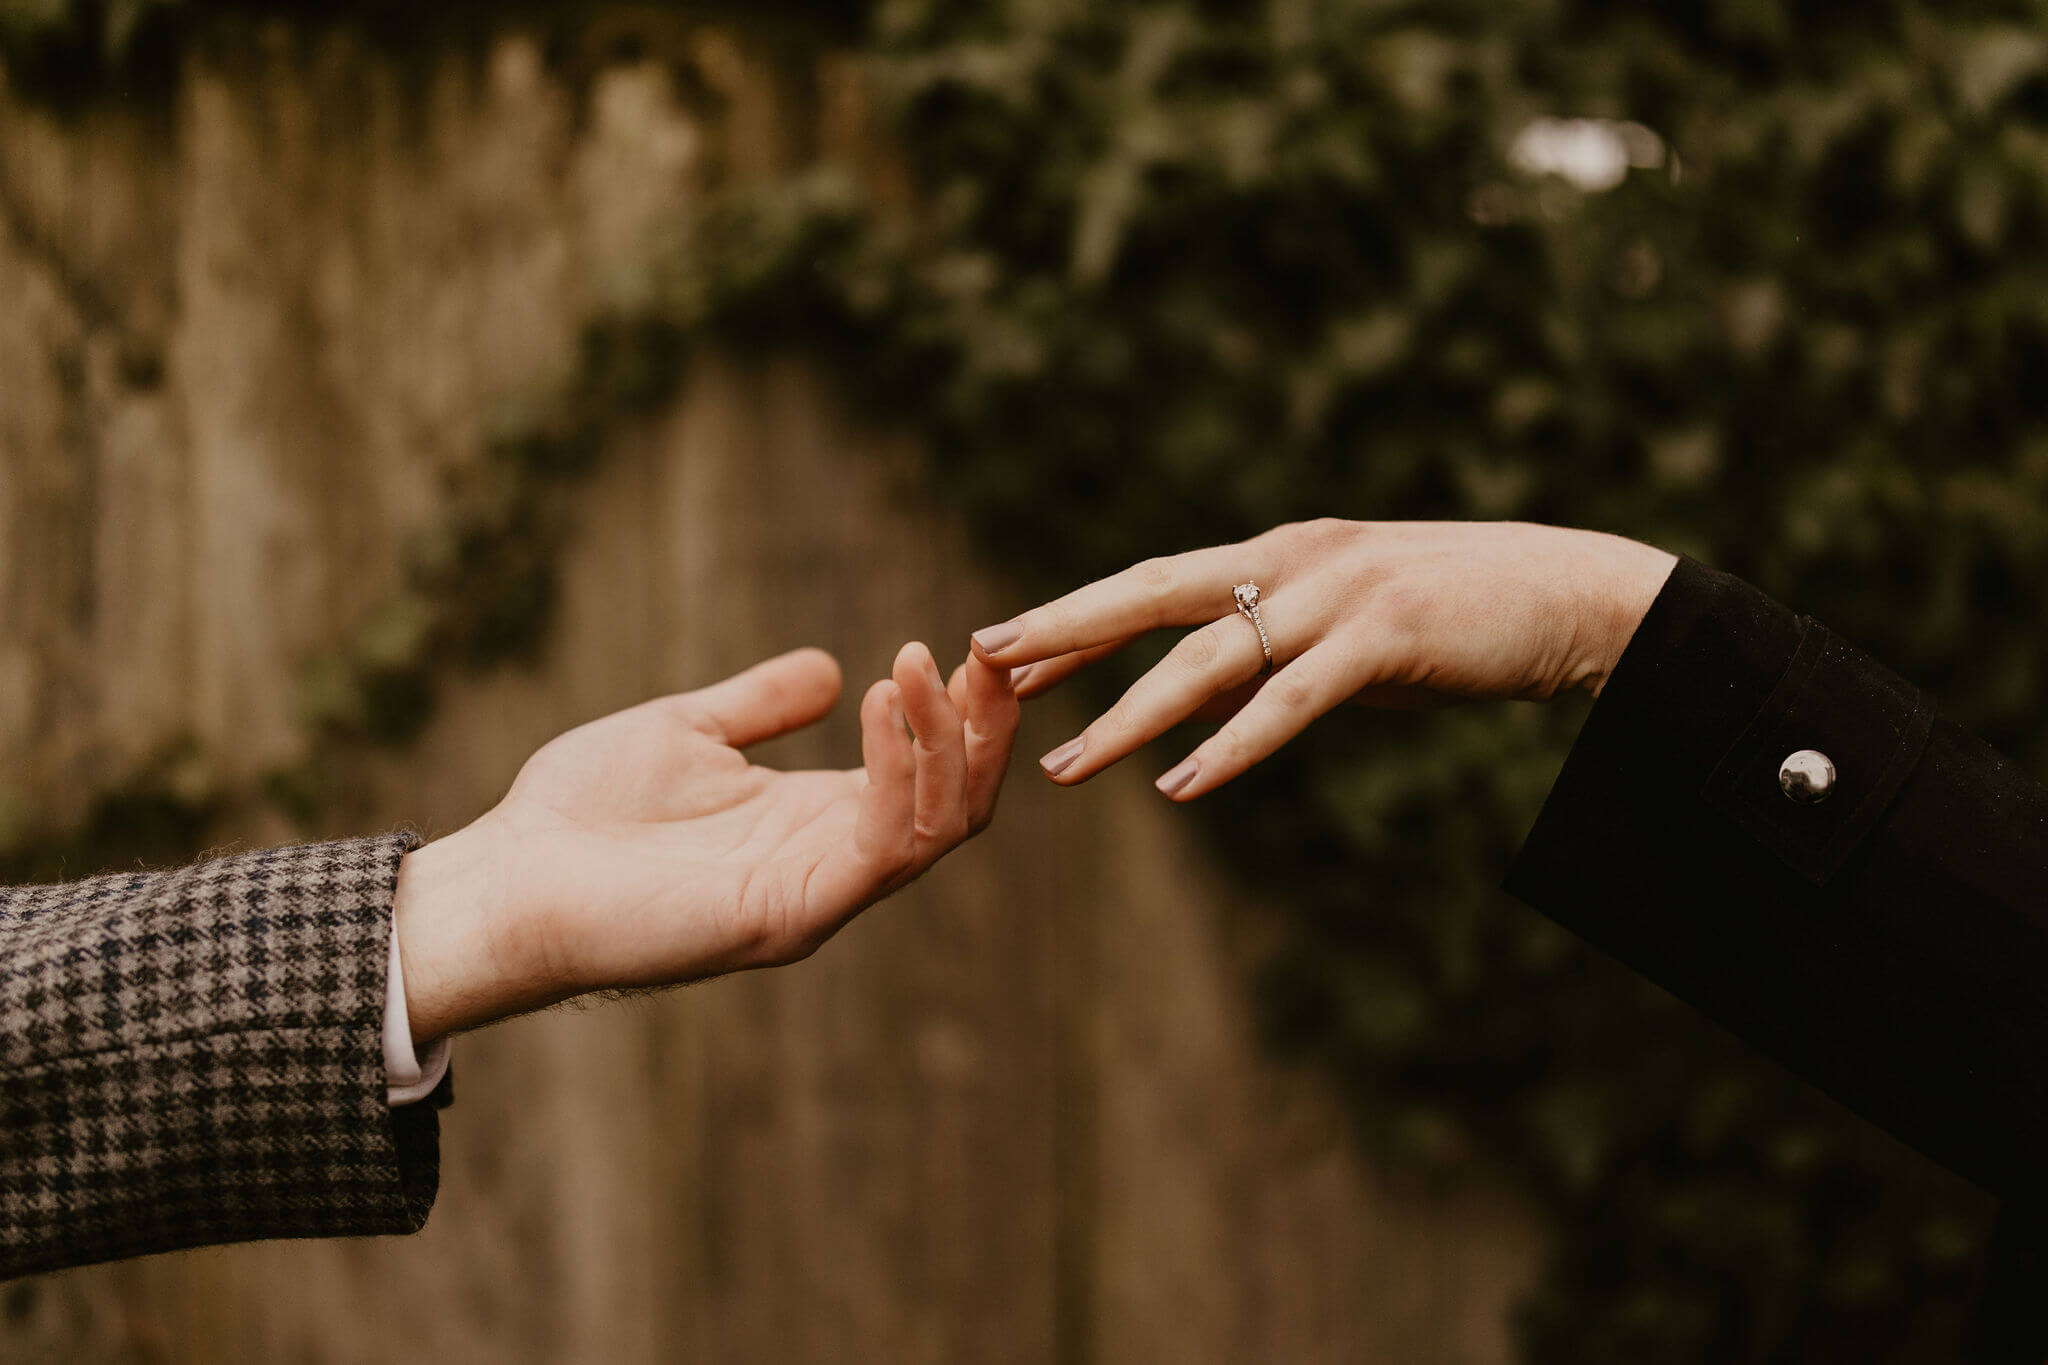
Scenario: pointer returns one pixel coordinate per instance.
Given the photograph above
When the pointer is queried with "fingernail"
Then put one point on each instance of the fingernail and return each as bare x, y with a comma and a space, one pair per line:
902, 721
1180, 776
1062, 758
931, 666
996, 639
1018, 675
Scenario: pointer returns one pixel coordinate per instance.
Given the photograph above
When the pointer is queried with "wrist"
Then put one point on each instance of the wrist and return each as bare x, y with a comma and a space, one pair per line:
448, 898
1626, 578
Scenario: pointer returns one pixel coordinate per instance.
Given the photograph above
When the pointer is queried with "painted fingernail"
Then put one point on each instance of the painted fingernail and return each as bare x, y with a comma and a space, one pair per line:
1062, 758
996, 639
1180, 776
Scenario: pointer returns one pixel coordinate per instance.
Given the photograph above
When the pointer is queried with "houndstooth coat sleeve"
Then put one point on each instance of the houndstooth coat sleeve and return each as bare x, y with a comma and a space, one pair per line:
196, 1056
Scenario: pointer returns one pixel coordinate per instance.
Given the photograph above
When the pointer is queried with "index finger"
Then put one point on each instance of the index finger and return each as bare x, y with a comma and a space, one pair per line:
988, 703
1177, 590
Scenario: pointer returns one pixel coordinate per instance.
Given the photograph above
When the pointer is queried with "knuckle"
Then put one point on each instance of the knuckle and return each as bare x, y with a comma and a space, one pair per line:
1294, 690
1052, 621
1199, 652
1114, 723
1313, 536
1225, 750
1154, 575
1273, 537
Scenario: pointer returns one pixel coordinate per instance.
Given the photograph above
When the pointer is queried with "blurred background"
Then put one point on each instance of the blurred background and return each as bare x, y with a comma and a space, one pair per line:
386, 388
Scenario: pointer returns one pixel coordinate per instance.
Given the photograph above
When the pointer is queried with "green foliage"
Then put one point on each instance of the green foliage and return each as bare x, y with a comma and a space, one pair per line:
1183, 271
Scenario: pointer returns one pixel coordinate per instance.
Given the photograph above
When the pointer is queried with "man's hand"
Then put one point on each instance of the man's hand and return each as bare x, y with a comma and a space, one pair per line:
643, 849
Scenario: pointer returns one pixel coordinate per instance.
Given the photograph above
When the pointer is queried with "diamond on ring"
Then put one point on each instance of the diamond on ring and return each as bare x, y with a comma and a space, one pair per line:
1247, 596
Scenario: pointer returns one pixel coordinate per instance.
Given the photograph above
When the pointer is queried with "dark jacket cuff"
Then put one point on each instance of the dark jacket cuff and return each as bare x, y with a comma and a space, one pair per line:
1889, 943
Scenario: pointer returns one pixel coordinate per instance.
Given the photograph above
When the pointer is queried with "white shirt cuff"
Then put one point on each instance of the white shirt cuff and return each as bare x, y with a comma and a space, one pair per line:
408, 1076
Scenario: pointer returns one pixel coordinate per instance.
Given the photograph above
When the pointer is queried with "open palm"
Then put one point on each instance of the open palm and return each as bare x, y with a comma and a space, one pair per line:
644, 848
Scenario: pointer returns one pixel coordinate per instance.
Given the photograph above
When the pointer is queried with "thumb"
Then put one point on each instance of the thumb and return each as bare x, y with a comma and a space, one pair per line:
772, 698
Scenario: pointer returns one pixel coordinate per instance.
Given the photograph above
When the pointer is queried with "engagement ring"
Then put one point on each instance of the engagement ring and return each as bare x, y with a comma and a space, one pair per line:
1247, 595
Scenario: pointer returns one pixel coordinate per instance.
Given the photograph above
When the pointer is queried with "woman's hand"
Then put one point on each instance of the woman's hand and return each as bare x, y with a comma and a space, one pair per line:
1386, 613
644, 849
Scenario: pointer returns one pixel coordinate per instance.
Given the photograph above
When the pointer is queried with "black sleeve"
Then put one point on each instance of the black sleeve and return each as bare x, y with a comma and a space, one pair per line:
1889, 943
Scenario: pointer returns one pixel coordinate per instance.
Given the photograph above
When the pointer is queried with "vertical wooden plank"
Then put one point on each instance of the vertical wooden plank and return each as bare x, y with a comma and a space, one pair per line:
41, 359
84, 199
46, 599
269, 433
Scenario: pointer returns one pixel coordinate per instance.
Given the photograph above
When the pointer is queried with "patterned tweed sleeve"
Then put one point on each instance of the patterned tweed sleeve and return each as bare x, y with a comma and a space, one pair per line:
196, 1056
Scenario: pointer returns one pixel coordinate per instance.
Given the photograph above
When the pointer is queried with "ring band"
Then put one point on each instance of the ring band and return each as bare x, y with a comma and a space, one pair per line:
1247, 597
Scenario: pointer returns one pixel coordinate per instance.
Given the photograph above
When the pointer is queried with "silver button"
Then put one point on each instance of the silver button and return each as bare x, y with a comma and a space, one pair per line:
1807, 777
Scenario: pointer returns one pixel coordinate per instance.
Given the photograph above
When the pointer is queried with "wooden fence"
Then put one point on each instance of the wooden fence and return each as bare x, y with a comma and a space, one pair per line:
1016, 1114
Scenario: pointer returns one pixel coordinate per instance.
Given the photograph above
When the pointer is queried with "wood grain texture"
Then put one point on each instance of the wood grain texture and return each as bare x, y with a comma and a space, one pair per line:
1015, 1114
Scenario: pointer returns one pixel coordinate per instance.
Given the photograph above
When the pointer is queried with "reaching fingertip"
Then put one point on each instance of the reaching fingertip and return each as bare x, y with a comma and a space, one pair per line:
881, 713
990, 692
993, 640
1000, 679
813, 660
915, 670
917, 673
1174, 782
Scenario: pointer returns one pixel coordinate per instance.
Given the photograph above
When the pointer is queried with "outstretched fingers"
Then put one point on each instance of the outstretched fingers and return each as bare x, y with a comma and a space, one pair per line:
1221, 655
987, 703
1276, 713
940, 750
1180, 590
1035, 680
883, 849
931, 779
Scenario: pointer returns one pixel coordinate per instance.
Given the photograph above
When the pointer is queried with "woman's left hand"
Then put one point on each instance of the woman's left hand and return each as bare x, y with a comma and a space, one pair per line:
1386, 613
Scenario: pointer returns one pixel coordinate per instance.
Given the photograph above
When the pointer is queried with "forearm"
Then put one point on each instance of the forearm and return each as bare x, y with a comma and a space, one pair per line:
1890, 943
